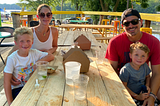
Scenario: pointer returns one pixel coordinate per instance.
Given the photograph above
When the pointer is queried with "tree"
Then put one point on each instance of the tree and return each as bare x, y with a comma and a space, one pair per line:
142, 3
78, 5
33, 4
152, 8
112, 5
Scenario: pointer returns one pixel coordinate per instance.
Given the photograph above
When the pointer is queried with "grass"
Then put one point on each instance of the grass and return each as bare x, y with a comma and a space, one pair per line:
7, 22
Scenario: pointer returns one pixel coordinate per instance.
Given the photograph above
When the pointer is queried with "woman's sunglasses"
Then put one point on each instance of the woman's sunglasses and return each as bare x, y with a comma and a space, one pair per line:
42, 15
134, 22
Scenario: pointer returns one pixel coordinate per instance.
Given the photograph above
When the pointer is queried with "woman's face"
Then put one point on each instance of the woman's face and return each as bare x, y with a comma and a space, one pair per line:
45, 16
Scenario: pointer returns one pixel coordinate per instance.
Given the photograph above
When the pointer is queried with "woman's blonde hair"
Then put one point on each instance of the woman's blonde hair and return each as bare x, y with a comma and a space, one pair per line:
41, 6
139, 45
22, 30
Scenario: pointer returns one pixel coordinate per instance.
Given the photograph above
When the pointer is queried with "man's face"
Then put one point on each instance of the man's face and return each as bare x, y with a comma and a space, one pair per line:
132, 25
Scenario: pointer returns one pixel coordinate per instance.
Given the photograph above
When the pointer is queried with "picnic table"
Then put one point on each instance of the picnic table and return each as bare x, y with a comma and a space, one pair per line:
104, 86
78, 21
97, 27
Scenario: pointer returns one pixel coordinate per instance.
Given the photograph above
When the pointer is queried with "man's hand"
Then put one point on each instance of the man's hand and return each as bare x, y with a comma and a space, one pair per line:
15, 81
149, 101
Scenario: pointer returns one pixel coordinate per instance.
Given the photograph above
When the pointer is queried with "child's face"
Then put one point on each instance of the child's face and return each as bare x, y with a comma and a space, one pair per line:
24, 42
138, 57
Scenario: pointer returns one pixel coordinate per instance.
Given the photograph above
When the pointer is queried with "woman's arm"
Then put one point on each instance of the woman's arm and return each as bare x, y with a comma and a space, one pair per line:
7, 87
48, 58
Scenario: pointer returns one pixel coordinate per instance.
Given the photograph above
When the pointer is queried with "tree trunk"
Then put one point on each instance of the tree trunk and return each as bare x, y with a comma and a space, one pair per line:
100, 19
127, 3
115, 8
79, 15
102, 5
116, 5
61, 10
76, 9
76, 6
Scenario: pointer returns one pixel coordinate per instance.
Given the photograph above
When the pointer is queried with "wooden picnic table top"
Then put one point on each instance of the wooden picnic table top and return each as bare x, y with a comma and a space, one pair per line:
68, 37
84, 26
97, 27
104, 86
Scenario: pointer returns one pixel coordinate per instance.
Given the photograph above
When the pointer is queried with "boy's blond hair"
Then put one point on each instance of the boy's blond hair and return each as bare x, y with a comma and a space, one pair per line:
139, 45
22, 30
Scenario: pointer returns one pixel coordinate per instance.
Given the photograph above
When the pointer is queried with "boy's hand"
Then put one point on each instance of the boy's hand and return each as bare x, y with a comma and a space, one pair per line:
15, 81
142, 96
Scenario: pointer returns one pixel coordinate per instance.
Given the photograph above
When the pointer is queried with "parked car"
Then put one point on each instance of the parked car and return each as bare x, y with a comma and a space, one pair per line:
66, 20
54, 21
90, 21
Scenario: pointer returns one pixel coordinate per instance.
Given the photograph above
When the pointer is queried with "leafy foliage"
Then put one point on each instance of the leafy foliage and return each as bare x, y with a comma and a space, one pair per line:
152, 8
33, 4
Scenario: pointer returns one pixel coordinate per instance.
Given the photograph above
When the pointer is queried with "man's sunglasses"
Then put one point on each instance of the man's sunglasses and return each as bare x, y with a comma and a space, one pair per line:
134, 22
42, 15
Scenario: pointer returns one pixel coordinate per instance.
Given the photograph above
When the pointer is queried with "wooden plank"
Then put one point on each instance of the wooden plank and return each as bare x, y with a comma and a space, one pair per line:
52, 94
85, 26
91, 38
147, 23
16, 20
61, 39
117, 91
30, 18
3, 98
69, 40
104, 46
104, 38
99, 95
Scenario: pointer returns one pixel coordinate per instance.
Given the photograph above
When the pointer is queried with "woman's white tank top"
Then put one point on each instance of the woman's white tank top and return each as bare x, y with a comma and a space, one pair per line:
42, 45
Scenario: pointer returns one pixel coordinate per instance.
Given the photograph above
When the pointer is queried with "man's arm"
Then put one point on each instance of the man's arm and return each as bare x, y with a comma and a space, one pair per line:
114, 64
155, 83
155, 79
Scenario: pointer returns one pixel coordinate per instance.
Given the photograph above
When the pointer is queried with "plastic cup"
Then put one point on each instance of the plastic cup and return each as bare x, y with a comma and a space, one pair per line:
72, 68
100, 55
42, 69
80, 86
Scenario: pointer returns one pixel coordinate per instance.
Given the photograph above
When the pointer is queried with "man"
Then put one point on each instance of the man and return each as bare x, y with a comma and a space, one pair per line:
118, 49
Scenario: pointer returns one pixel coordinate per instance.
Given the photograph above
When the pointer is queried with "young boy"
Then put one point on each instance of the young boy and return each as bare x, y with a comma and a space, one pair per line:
20, 64
135, 74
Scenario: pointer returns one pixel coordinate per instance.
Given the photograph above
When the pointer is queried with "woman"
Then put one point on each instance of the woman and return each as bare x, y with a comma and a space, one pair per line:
45, 37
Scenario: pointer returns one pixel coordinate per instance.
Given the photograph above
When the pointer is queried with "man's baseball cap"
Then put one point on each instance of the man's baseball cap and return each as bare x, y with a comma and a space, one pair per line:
129, 12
